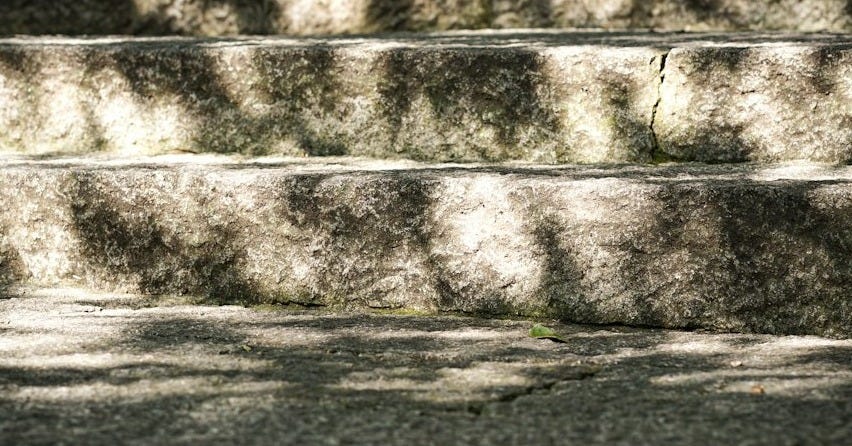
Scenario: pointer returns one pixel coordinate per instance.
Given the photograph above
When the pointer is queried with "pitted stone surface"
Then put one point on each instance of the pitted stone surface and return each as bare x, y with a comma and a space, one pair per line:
755, 248
305, 17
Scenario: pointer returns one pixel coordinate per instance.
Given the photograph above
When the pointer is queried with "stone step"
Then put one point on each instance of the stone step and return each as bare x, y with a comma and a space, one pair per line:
302, 17
154, 371
539, 96
742, 247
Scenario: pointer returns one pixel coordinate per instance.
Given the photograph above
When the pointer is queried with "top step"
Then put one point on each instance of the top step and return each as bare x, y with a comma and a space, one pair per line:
535, 96
310, 17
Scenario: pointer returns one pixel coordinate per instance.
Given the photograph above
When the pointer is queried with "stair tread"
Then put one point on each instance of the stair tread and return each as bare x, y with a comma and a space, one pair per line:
360, 16
800, 170
502, 38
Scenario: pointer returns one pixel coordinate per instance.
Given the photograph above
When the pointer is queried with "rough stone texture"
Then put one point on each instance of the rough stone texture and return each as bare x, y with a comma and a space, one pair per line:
541, 96
465, 97
765, 103
306, 17
82, 368
677, 15
233, 17
749, 247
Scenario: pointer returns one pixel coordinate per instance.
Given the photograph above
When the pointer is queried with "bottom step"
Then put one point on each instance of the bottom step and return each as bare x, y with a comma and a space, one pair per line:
107, 367
742, 248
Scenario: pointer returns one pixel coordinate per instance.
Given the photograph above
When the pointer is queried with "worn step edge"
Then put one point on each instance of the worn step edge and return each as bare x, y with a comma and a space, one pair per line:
166, 17
742, 248
538, 96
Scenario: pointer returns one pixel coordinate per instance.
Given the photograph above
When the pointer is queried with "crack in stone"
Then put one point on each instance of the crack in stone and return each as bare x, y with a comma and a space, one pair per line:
511, 397
655, 142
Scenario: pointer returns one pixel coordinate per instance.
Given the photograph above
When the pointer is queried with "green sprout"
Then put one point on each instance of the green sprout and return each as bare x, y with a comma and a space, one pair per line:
539, 331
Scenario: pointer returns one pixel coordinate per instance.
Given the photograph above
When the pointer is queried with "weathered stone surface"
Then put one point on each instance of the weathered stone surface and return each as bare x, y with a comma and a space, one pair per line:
757, 102
232, 17
677, 15
204, 18
306, 17
154, 371
542, 97
735, 248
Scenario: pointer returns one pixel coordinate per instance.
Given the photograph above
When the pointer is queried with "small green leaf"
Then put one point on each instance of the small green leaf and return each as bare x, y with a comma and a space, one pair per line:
539, 331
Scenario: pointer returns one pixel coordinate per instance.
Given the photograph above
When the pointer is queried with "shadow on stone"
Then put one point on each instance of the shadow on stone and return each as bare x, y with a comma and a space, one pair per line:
627, 123
123, 236
146, 17
178, 374
302, 87
294, 90
12, 268
744, 260
720, 142
72, 17
365, 235
561, 280
389, 15
495, 93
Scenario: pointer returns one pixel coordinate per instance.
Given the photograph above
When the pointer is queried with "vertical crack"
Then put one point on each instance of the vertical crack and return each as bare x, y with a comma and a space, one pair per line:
655, 149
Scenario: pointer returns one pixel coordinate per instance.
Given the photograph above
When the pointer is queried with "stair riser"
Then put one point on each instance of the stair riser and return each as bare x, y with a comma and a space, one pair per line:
162, 17
578, 104
544, 102
759, 103
733, 254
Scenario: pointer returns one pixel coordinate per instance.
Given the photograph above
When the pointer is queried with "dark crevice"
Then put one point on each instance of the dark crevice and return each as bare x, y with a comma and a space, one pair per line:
655, 143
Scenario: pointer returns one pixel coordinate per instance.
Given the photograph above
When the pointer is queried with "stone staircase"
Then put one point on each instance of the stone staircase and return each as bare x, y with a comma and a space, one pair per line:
337, 222
679, 180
